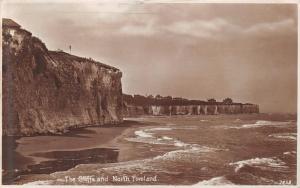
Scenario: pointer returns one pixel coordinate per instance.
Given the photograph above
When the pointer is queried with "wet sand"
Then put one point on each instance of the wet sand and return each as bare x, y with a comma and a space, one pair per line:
46, 154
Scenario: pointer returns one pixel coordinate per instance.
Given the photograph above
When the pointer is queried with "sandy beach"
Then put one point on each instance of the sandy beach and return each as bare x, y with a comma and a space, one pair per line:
38, 149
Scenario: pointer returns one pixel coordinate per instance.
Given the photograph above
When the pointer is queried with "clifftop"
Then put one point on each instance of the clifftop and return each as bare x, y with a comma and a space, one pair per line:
9, 23
11, 27
169, 100
61, 55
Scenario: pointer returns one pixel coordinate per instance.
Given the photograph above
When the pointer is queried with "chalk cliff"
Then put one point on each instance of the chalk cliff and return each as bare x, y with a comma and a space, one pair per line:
138, 105
50, 91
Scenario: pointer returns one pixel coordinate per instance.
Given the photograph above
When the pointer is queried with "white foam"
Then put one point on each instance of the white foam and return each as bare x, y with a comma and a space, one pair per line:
261, 123
45, 182
148, 140
137, 165
193, 149
180, 144
167, 138
160, 129
169, 155
289, 153
288, 136
262, 163
150, 164
148, 136
215, 181
143, 134
170, 128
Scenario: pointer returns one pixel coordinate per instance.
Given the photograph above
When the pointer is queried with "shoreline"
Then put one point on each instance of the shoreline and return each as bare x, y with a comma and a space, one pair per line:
104, 141
78, 140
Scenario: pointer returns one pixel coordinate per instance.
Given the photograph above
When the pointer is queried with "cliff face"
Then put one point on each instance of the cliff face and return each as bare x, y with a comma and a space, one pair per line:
139, 105
46, 91
157, 110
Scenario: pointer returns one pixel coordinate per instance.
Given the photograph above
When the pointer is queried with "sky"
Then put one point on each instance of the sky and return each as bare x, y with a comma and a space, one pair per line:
247, 52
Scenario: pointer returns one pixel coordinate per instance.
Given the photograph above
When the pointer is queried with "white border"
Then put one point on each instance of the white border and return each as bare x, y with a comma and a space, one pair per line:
160, 1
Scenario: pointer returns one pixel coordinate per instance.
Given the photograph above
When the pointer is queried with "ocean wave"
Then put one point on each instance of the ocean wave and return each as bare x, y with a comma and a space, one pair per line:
188, 154
156, 164
215, 181
148, 136
262, 123
40, 182
135, 166
170, 128
143, 134
292, 153
286, 136
180, 143
160, 129
159, 164
195, 150
156, 141
167, 138
257, 124
164, 140
273, 164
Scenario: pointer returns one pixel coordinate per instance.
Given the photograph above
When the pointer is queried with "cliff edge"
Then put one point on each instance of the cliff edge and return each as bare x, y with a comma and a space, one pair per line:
50, 91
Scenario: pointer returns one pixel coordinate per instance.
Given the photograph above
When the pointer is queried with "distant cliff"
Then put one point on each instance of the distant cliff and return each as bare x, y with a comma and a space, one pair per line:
49, 91
140, 105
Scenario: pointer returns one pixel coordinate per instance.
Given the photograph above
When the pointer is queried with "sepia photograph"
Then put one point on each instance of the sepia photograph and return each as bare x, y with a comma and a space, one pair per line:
146, 92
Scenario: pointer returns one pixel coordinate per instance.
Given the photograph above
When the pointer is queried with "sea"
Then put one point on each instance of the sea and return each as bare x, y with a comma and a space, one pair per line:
255, 149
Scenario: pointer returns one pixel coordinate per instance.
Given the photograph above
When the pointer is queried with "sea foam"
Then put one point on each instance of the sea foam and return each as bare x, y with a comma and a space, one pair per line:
286, 136
143, 134
262, 163
215, 181
291, 153
257, 124
40, 182
262, 123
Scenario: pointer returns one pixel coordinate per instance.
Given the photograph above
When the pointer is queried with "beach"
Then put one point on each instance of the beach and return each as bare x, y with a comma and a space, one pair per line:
24, 151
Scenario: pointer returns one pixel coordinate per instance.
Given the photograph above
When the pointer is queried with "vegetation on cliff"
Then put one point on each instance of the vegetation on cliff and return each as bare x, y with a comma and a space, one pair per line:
169, 100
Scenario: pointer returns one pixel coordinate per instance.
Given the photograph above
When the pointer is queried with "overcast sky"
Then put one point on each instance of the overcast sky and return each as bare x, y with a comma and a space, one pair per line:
244, 51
